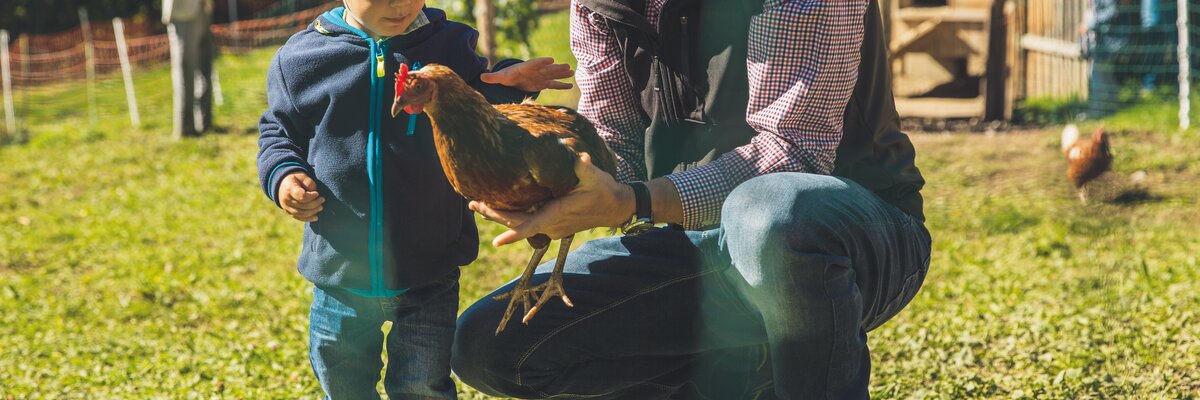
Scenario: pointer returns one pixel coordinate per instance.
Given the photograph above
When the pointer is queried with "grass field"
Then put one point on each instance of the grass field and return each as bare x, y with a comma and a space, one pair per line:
134, 266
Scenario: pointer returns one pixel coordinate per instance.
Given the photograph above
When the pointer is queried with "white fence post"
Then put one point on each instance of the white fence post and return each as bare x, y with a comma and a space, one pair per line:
89, 55
1185, 66
218, 98
10, 118
127, 71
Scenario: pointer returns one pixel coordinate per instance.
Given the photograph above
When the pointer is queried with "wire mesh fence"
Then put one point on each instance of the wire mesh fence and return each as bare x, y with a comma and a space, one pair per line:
1094, 58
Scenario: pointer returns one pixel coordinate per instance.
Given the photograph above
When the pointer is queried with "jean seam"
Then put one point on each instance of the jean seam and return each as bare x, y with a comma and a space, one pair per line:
556, 331
833, 338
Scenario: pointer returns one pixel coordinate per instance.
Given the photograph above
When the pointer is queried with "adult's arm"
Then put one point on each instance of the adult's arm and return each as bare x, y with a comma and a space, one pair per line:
802, 62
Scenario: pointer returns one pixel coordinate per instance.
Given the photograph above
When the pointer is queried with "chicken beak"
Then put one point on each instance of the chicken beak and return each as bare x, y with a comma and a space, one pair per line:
396, 107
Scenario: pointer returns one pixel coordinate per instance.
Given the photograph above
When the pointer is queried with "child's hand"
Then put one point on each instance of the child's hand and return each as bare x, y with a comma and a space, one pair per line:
298, 196
532, 76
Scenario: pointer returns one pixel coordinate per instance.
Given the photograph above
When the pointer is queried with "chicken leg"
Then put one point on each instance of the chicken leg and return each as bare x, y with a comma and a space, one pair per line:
522, 293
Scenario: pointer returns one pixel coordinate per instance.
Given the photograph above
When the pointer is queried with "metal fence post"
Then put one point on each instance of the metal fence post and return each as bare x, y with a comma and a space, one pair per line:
89, 55
10, 118
126, 71
1184, 66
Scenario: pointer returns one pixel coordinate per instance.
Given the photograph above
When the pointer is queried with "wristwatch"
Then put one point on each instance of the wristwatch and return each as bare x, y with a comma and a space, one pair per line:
640, 222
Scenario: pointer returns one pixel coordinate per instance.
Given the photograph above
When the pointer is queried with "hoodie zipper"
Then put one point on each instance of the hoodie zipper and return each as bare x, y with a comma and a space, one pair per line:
375, 169
373, 172
377, 60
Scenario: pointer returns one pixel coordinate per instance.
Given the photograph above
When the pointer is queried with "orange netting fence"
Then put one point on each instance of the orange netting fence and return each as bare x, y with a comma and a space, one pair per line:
53, 58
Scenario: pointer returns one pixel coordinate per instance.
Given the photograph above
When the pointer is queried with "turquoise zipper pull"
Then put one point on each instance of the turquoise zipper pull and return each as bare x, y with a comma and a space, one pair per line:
412, 118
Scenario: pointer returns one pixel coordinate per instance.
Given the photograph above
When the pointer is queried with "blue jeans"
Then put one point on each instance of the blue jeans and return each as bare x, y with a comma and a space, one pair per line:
346, 342
776, 301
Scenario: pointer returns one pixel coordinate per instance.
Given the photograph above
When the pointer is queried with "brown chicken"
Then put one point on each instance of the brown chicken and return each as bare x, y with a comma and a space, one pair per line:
1086, 159
513, 157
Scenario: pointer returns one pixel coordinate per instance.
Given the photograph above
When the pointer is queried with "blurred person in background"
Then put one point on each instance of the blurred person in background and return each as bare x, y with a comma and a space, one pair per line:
192, 53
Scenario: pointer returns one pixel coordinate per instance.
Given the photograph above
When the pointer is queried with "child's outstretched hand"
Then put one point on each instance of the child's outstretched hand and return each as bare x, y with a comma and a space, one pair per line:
532, 76
298, 196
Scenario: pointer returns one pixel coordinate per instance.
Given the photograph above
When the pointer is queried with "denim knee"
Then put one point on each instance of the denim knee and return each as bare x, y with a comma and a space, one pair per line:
479, 357
773, 213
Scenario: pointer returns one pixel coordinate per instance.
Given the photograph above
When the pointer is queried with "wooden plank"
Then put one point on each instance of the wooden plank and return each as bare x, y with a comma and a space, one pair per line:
908, 37
939, 107
915, 15
1046, 45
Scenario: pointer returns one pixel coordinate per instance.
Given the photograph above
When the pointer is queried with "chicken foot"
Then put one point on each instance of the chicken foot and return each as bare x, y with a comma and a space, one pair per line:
522, 293
553, 287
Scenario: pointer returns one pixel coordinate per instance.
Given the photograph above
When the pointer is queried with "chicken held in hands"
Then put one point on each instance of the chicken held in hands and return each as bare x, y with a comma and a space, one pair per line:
1086, 159
512, 157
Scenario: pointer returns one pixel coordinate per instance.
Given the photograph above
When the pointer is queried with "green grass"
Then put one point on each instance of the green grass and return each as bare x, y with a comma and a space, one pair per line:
135, 266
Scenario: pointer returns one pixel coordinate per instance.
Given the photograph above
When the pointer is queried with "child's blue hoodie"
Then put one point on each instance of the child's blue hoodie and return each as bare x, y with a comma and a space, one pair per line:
391, 221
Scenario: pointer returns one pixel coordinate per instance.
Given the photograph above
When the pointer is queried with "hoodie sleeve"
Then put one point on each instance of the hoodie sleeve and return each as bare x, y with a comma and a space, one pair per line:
282, 139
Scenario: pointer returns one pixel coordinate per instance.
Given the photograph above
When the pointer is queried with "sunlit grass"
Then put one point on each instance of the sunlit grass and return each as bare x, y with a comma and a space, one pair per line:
136, 266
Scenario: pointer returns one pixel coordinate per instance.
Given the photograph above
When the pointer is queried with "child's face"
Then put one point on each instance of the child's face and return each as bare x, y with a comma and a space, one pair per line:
384, 18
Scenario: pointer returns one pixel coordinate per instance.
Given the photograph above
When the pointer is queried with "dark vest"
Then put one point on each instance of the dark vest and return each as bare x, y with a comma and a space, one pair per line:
691, 74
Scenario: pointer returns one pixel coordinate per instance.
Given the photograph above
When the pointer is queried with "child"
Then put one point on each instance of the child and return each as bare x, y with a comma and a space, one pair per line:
385, 234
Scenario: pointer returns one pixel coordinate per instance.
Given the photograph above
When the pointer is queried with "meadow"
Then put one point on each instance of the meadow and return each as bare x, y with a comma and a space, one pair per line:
137, 266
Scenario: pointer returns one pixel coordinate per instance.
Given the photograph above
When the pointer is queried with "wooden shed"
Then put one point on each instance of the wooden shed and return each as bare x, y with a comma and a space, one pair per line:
945, 51
939, 56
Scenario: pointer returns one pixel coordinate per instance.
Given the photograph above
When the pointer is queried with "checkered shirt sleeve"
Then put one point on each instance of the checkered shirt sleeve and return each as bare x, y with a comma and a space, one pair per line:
802, 63
606, 94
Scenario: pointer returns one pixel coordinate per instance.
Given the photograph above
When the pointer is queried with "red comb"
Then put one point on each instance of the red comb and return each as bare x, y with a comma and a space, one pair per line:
401, 77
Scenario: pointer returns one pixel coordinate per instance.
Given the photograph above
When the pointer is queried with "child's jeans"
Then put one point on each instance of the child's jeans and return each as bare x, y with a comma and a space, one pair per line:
346, 342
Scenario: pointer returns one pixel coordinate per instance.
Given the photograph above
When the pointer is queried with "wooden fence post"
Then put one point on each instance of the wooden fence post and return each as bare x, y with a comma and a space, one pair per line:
10, 118
89, 55
997, 64
233, 22
126, 71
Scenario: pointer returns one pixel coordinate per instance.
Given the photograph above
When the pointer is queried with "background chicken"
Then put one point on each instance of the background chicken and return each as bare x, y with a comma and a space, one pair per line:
513, 157
1086, 159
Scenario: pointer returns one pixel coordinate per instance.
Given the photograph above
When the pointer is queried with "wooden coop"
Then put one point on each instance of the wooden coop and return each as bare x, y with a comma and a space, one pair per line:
977, 58
939, 52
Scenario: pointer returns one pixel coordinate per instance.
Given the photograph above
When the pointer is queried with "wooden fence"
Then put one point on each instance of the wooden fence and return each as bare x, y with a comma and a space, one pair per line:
1045, 58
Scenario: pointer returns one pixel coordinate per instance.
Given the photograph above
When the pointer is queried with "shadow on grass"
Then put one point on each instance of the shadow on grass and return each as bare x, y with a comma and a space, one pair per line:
1135, 196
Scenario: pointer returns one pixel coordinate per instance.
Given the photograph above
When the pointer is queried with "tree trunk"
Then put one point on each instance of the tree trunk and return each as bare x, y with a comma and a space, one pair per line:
485, 22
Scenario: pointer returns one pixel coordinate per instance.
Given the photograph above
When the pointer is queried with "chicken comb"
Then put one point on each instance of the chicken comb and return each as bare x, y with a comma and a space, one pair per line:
401, 78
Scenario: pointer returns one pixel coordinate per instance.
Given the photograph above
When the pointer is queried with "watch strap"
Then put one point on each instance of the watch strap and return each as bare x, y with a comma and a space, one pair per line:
641, 198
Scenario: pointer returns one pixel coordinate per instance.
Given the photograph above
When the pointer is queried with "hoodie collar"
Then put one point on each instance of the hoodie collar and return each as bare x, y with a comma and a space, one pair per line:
333, 22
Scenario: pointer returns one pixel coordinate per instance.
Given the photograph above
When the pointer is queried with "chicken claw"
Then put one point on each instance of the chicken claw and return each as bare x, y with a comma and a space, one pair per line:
521, 292
553, 287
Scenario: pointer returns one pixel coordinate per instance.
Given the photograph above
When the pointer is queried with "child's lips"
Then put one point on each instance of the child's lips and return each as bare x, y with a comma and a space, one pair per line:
397, 20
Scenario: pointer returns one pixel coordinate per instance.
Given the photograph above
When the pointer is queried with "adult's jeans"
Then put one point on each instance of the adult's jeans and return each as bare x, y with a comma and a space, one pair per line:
192, 53
780, 296
346, 342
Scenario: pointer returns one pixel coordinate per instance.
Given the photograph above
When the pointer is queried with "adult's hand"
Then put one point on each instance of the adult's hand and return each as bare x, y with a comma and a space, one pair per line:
598, 201
532, 76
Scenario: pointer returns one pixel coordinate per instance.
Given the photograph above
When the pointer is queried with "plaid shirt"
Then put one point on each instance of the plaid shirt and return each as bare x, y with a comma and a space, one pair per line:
802, 63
